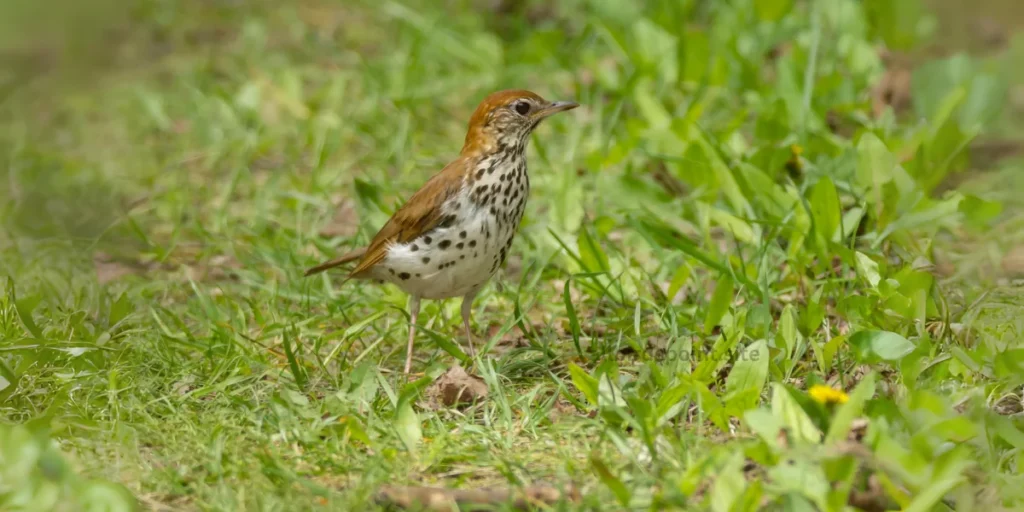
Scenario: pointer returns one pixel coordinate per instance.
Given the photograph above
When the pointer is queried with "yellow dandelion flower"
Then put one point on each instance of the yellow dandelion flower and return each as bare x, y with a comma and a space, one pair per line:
794, 165
827, 395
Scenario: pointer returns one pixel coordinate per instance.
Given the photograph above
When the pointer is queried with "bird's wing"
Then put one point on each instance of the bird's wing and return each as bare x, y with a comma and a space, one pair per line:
420, 214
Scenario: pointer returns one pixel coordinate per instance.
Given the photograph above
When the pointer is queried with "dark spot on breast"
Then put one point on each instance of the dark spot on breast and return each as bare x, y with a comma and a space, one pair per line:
472, 243
444, 244
462, 234
501, 178
462, 256
426, 260
476, 254
403, 276
459, 245
418, 275
392, 271
480, 174
447, 221
427, 240
414, 248
493, 211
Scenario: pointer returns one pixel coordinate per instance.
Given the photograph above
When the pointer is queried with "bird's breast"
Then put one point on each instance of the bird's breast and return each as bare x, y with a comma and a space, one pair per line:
464, 253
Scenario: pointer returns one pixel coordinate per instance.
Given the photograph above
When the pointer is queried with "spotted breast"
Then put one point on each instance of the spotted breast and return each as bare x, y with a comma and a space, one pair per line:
474, 235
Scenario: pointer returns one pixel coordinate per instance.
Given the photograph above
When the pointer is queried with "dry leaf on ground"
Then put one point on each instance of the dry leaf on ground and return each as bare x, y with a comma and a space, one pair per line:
872, 499
110, 269
893, 90
456, 387
438, 498
1013, 262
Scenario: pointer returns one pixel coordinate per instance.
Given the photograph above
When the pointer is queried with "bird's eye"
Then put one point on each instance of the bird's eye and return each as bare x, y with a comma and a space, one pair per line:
522, 108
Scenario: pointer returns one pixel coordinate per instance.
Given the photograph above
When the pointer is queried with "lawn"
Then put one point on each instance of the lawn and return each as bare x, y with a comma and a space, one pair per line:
774, 261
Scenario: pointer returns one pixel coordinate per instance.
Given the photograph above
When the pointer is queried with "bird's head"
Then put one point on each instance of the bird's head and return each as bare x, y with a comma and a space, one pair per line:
506, 119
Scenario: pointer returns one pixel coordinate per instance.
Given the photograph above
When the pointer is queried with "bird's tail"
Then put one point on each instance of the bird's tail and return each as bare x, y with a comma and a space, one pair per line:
337, 262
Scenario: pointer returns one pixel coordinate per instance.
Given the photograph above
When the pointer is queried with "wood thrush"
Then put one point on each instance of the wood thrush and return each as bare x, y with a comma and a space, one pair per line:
450, 237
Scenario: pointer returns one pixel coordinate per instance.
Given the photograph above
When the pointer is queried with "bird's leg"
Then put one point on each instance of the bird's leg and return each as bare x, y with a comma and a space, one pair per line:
467, 306
414, 312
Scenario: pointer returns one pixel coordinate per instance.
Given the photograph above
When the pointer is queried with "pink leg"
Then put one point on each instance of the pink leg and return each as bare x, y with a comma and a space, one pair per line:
414, 312
467, 306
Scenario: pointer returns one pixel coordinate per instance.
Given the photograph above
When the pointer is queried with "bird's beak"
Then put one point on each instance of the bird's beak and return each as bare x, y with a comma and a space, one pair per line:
553, 108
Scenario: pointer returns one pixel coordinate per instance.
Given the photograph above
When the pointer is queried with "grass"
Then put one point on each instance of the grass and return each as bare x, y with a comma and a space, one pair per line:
725, 224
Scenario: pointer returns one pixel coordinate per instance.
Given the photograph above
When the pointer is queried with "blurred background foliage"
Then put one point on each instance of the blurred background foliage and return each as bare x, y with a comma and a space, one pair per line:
834, 186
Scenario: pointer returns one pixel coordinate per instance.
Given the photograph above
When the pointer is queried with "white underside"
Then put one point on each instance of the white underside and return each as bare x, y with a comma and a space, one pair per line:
472, 267
419, 267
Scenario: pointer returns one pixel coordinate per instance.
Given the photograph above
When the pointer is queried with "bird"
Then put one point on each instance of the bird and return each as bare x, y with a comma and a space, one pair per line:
450, 237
